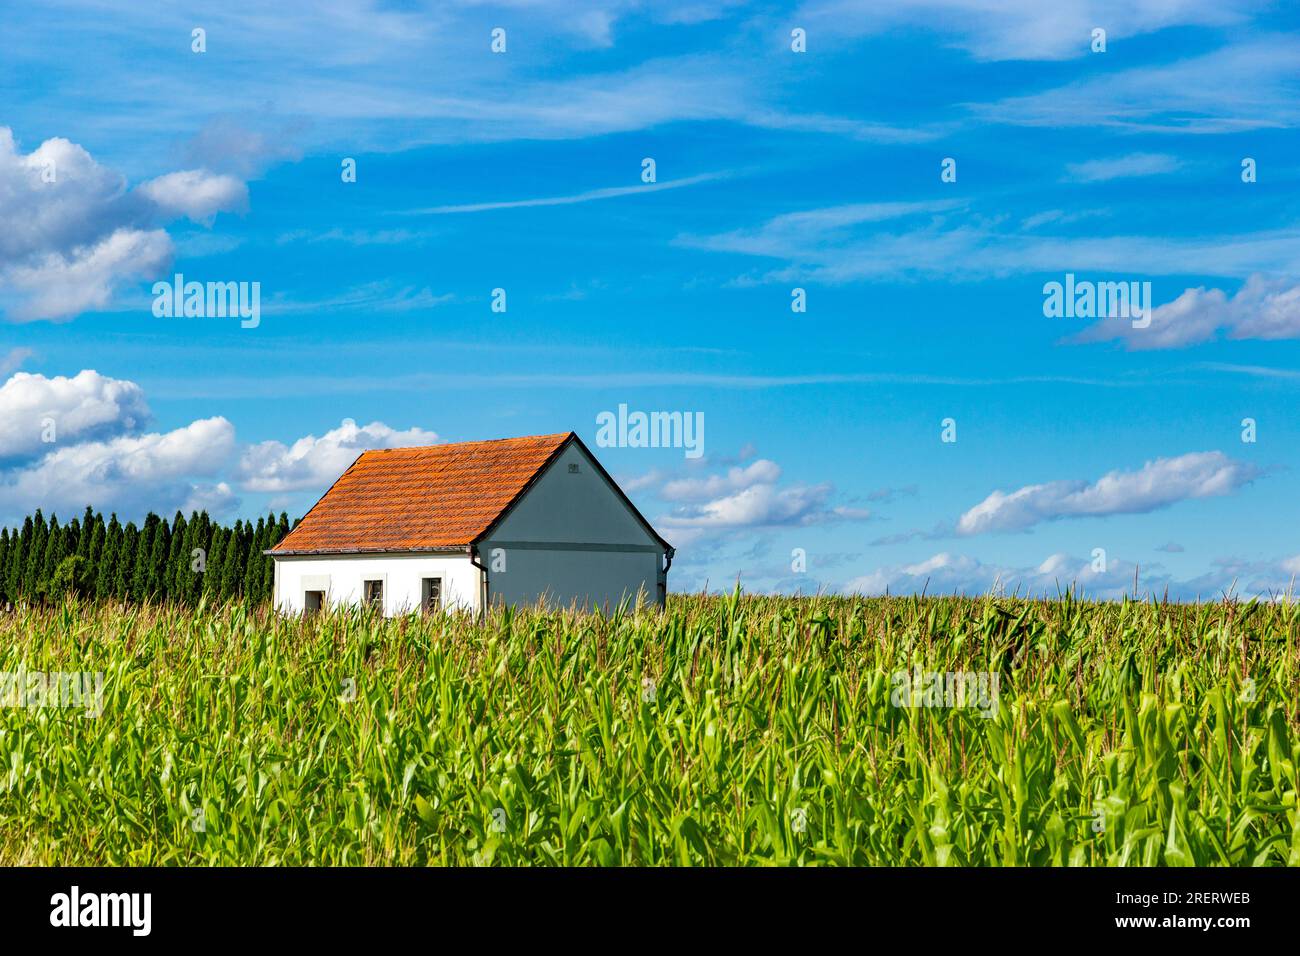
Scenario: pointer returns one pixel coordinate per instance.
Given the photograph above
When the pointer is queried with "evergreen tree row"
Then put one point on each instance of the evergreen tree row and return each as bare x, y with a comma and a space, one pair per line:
157, 561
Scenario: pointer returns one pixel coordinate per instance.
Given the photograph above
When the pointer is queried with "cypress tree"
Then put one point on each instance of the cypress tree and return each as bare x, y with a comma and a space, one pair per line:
87, 533
55, 541
139, 582
35, 555
232, 562
72, 536
94, 554
253, 566
155, 570
18, 562
110, 560
216, 553
172, 572
184, 546
124, 573
203, 544
4, 564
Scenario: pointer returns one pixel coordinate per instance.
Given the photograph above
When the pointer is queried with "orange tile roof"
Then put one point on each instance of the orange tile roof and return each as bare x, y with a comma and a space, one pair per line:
413, 499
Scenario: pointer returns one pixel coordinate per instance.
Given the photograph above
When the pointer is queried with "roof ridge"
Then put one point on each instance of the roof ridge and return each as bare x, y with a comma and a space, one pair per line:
482, 441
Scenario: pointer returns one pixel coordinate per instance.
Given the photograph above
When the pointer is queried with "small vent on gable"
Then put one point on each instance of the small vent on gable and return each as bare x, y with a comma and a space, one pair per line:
573, 467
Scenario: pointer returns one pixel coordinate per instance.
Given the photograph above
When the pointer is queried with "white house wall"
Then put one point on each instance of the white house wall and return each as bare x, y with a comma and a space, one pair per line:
571, 538
341, 577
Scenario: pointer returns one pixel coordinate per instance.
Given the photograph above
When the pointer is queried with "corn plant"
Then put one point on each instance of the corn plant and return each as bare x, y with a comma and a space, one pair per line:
725, 730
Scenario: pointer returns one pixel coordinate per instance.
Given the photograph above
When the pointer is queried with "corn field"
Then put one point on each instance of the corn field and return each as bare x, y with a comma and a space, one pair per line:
735, 730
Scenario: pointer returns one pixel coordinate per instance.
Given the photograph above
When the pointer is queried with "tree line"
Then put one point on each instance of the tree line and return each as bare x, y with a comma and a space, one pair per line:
156, 561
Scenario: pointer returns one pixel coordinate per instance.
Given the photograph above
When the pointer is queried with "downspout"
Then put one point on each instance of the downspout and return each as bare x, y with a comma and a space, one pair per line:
663, 575
484, 592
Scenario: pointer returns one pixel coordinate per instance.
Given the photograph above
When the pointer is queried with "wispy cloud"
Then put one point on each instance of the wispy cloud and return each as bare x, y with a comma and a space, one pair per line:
1020, 29
843, 244
1250, 85
14, 359
609, 192
381, 296
1122, 167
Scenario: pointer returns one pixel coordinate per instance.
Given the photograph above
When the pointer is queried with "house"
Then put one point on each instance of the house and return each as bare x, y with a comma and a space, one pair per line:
471, 524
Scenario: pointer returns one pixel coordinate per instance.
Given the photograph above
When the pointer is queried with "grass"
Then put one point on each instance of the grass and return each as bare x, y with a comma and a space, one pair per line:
741, 730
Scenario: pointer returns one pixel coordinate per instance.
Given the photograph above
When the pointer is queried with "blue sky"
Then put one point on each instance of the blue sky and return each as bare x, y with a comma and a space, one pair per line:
775, 170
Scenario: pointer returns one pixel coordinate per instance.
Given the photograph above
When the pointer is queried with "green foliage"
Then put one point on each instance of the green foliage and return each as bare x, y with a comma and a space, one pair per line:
153, 563
723, 731
69, 578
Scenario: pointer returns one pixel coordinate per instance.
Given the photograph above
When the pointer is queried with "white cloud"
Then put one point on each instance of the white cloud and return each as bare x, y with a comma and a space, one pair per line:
74, 234
1261, 309
947, 573
101, 457
841, 244
14, 359
610, 192
313, 463
1020, 29
1122, 167
87, 406
803, 235
1245, 86
1157, 484
196, 194
225, 145
60, 286
736, 479
133, 473
382, 296
359, 77
748, 497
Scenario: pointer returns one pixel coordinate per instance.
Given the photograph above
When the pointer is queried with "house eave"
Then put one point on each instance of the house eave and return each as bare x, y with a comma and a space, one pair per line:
307, 552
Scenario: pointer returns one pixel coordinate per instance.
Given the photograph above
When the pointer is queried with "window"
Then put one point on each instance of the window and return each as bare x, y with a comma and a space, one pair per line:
431, 596
313, 602
374, 594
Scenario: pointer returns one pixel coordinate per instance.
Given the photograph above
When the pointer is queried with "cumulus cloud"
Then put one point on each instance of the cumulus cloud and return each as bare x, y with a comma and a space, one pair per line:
63, 285
1261, 309
312, 462
748, 497
132, 473
947, 573
87, 406
713, 486
1157, 484
196, 194
75, 234
101, 455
